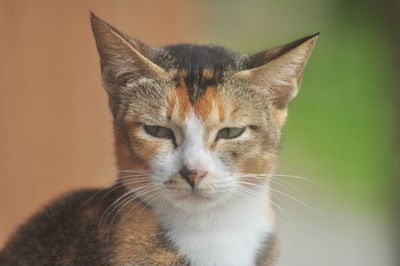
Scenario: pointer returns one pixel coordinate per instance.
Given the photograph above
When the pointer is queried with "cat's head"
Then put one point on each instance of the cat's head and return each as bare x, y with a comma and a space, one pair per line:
196, 125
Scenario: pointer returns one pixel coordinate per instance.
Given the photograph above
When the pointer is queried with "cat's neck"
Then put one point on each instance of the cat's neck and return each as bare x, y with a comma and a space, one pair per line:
229, 234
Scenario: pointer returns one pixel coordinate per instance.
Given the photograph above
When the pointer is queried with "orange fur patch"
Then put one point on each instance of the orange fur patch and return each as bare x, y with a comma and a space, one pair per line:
136, 239
208, 73
183, 100
144, 150
180, 104
204, 106
262, 165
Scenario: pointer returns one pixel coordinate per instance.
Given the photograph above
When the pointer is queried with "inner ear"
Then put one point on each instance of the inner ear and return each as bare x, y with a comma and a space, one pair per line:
120, 55
280, 70
280, 115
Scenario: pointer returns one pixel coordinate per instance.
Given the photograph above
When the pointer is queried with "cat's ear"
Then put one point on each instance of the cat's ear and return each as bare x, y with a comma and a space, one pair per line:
281, 69
121, 55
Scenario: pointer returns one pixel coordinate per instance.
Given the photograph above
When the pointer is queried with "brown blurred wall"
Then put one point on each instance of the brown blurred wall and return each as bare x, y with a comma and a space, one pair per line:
55, 126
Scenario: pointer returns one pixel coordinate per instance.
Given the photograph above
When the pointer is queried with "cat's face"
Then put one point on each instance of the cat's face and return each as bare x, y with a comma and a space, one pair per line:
201, 150
196, 125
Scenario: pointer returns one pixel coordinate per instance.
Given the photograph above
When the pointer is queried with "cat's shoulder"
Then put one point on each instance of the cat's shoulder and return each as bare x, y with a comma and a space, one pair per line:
66, 221
65, 207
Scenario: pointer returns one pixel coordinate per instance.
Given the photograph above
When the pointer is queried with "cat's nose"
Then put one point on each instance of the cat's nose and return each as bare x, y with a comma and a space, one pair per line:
192, 176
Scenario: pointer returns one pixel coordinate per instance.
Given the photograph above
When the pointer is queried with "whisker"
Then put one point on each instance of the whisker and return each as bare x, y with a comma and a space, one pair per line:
297, 200
286, 182
283, 213
134, 191
116, 202
132, 171
133, 177
124, 183
147, 202
127, 201
102, 190
243, 194
273, 175
250, 184
278, 182
105, 214
247, 191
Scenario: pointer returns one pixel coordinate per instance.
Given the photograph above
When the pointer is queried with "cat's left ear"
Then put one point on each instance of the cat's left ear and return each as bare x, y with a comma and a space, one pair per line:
121, 56
281, 69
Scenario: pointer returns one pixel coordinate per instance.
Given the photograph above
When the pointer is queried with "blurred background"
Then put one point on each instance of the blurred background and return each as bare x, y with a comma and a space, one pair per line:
339, 202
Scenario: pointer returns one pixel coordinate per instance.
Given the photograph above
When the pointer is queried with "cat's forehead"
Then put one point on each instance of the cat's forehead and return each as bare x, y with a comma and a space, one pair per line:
200, 67
202, 99
198, 79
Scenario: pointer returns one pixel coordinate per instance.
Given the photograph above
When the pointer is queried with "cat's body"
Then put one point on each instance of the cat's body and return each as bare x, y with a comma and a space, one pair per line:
67, 233
197, 131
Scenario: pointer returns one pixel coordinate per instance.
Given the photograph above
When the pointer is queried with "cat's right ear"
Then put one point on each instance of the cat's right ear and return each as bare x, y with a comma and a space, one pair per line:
121, 57
280, 71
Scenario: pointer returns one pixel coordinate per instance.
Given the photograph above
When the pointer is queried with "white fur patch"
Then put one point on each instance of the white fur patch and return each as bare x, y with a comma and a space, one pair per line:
227, 235
193, 154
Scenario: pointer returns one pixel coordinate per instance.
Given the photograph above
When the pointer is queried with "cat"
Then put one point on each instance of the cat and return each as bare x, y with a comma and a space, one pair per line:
197, 130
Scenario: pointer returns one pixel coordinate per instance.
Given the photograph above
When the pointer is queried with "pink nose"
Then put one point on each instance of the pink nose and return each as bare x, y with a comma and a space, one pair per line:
192, 177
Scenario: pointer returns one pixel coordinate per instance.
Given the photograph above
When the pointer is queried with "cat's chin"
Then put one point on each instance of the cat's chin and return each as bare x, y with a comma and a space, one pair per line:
194, 201
195, 196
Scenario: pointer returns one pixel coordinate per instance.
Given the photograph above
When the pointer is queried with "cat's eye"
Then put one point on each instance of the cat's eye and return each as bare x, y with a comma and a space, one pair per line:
230, 132
159, 131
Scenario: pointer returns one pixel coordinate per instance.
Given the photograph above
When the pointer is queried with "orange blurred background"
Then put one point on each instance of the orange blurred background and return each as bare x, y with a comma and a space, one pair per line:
56, 132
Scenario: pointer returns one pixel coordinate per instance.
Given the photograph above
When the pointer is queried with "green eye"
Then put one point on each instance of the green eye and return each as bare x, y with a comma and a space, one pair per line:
230, 132
159, 132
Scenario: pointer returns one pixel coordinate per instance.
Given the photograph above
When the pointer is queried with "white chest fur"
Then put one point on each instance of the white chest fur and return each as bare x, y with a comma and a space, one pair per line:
226, 236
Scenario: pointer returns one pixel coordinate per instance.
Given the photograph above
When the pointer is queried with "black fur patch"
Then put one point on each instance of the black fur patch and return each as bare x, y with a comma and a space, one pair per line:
268, 253
63, 233
195, 57
193, 60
